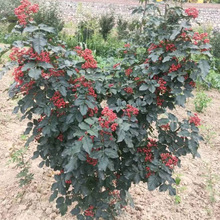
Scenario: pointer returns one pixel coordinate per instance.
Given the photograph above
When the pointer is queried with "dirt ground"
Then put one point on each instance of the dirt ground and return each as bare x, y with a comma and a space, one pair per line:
198, 193
136, 2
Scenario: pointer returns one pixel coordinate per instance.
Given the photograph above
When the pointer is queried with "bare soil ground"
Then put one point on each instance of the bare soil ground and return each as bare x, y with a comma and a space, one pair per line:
199, 189
136, 2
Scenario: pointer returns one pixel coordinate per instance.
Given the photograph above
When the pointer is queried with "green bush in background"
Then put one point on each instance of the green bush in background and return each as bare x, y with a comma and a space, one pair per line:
106, 23
49, 14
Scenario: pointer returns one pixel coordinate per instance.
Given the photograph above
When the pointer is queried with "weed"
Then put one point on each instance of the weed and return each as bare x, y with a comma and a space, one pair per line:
23, 137
208, 133
179, 189
201, 101
211, 180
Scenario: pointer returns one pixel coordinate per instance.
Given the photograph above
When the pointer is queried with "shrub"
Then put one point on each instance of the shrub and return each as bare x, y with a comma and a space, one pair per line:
86, 29
201, 101
122, 28
215, 39
106, 23
99, 151
49, 14
7, 8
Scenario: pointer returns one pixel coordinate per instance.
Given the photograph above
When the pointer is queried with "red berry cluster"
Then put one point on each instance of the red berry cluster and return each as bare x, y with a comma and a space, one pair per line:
17, 54
89, 211
148, 150
60, 137
174, 67
197, 37
192, 12
58, 101
116, 65
149, 173
162, 88
108, 118
195, 120
169, 160
165, 127
88, 57
192, 83
160, 101
27, 87
68, 181
128, 90
90, 160
128, 71
81, 81
127, 45
130, 110
18, 75
25, 11
152, 47
52, 72
170, 47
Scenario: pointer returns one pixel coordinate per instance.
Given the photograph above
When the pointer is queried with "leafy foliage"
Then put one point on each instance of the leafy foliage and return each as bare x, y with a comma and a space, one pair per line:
201, 101
96, 128
106, 23
49, 14
7, 8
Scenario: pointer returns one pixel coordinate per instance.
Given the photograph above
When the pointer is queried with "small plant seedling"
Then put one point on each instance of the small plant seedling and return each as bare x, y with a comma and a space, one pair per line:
18, 157
201, 101
208, 134
23, 137
179, 189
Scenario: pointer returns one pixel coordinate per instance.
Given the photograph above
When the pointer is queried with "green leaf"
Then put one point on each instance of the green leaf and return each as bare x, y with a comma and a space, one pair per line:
45, 65
89, 121
30, 29
121, 135
63, 209
181, 100
93, 132
163, 121
154, 57
205, 67
29, 65
41, 164
46, 28
163, 188
193, 146
87, 144
173, 126
62, 90
34, 73
53, 196
83, 109
72, 165
152, 88
172, 191
153, 182
175, 33
111, 153
60, 200
75, 211
39, 42
84, 126
167, 58
143, 87
103, 163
